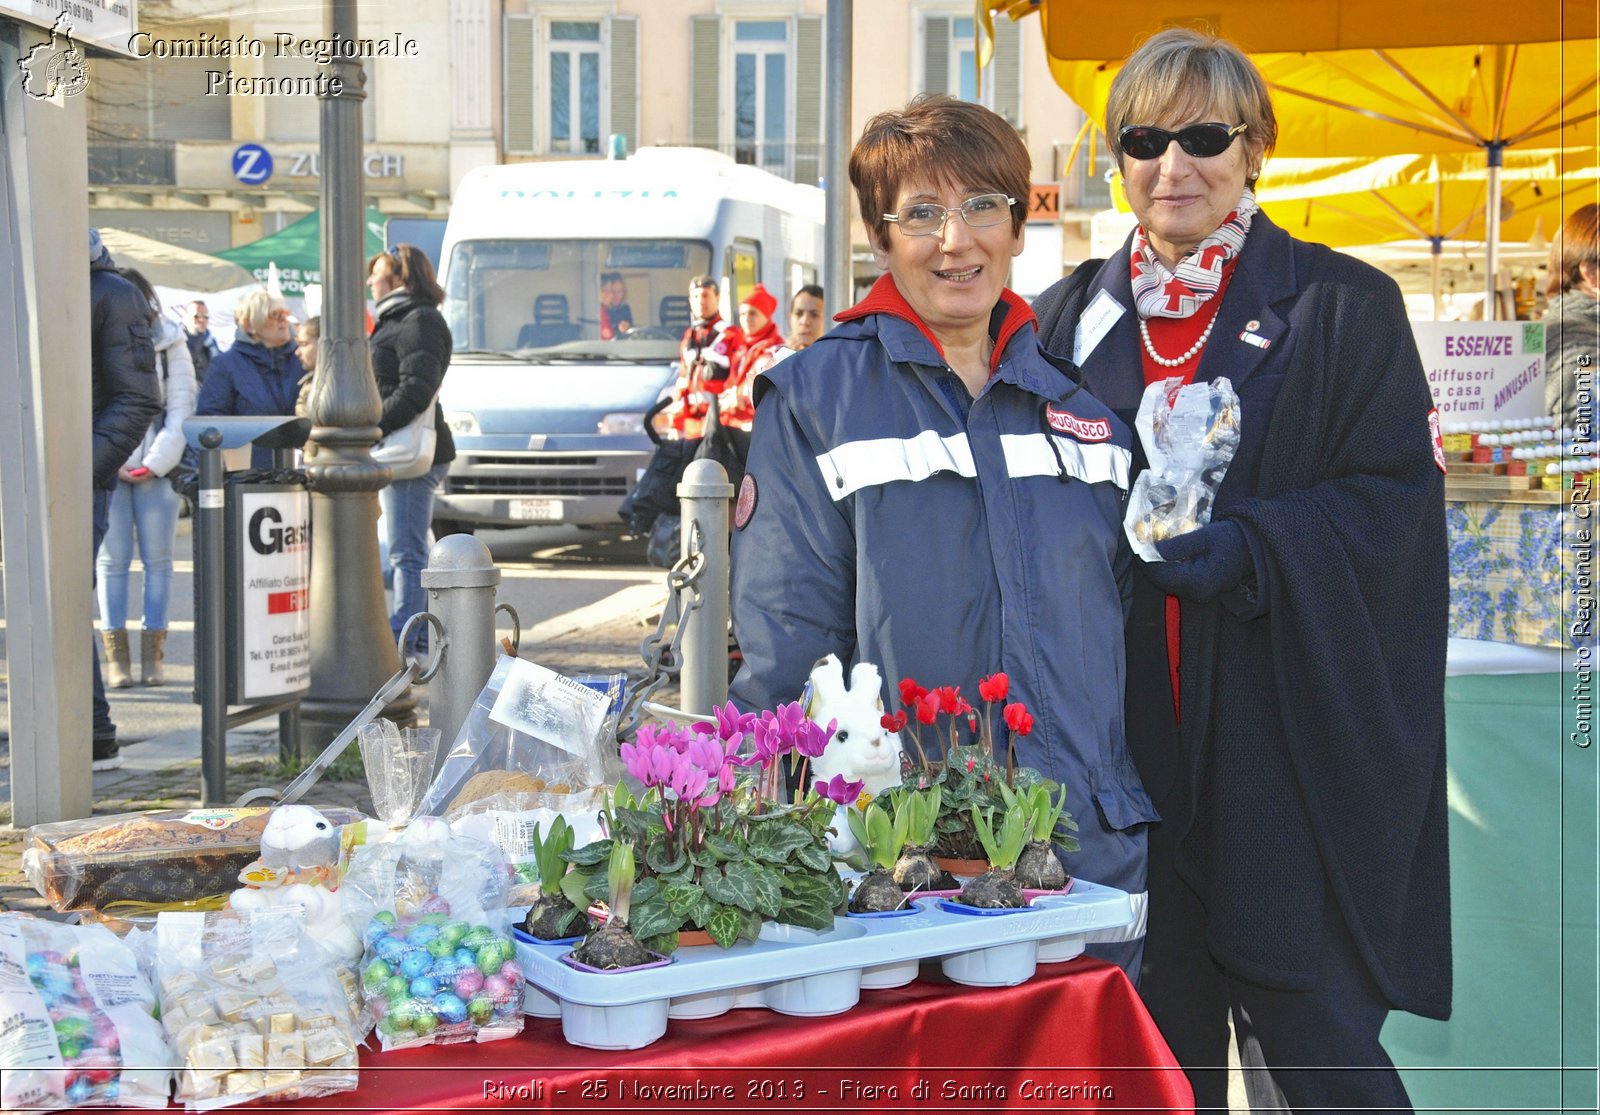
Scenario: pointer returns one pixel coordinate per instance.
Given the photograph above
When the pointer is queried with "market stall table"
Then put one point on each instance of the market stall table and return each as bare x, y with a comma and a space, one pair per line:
1074, 1037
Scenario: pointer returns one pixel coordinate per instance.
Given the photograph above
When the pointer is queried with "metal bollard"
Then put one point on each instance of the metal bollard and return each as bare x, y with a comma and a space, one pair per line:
704, 493
460, 580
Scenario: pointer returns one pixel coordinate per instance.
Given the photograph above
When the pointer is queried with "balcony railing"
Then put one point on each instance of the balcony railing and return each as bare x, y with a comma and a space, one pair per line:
132, 162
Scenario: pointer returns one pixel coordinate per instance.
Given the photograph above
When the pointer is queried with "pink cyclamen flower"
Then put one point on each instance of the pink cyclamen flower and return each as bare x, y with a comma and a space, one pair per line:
812, 739
837, 789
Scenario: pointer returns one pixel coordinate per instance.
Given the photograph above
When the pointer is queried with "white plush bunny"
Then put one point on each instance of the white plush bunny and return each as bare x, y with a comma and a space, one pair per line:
299, 860
862, 749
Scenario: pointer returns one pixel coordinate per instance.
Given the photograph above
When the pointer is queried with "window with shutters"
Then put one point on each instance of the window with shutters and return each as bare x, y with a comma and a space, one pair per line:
761, 96
950, 61
570, 83
573, 66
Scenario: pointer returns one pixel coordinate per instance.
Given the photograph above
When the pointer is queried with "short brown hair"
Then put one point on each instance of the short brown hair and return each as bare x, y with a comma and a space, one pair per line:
1576, 244
414, 270
954, 142
1195, 72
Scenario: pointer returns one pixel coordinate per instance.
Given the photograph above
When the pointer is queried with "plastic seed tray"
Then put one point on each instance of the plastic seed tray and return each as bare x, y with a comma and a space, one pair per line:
823, 972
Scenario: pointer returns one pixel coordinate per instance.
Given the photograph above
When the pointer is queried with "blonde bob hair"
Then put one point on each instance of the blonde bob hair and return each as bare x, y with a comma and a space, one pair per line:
1195, 77
255, 309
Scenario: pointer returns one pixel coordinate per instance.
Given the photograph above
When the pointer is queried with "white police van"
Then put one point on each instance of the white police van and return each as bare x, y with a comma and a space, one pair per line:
546, 412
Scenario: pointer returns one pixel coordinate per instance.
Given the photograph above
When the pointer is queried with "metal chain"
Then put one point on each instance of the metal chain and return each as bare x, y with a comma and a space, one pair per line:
663, 661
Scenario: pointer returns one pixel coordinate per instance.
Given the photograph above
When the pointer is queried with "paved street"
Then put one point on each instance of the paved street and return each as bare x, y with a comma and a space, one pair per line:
581, 596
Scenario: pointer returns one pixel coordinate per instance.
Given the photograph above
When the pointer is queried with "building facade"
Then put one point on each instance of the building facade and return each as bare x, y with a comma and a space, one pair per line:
208, 138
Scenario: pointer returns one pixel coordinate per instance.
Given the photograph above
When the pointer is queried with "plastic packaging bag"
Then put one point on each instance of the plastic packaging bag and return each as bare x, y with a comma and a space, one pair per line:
163, 858
399, 764
439, 965
74, 1010
253, 1008
1190, 433
531, 731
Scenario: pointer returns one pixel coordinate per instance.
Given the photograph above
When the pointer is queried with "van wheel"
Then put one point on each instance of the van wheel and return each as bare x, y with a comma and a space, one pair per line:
442, 527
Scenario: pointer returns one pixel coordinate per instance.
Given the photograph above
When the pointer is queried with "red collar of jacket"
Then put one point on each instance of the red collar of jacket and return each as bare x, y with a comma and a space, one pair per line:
885, 298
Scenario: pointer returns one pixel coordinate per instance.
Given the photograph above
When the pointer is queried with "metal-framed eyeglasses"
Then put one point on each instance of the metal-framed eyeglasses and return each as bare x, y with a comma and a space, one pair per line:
1201, 141
927, 218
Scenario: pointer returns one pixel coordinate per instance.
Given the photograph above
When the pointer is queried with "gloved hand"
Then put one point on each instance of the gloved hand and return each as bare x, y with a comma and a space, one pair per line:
1203, 564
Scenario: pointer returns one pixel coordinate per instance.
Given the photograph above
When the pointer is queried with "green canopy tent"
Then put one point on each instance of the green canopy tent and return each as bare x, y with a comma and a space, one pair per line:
297, 250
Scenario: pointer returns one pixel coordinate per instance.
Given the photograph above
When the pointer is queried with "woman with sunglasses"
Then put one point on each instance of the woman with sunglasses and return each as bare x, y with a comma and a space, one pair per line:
1286, 661
260, 373
928, 493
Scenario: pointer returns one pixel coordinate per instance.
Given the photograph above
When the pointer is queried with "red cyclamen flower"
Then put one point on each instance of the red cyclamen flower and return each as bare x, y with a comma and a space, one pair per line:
1019, 719
994, 687
927, 708
949, 699
910, 692
893, 721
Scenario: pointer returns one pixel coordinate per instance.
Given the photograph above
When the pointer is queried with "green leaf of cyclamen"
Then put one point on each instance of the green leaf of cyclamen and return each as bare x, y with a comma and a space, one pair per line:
724, 848
768, 890
598, 889
724, 926
665, 859
589, 855
809, 911
774, 842
812, 857
734, 885
650, 918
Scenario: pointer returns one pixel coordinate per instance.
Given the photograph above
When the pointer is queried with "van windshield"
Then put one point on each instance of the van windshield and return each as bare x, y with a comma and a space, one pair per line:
572, 299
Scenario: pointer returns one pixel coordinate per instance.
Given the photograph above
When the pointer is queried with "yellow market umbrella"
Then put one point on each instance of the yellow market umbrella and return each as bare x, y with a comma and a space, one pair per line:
1360, 78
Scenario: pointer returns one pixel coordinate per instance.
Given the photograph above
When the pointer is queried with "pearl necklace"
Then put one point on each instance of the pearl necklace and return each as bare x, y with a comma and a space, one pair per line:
1144, 332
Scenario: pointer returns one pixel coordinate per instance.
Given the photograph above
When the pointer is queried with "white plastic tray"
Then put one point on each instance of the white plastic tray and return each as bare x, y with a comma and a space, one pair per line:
823, 972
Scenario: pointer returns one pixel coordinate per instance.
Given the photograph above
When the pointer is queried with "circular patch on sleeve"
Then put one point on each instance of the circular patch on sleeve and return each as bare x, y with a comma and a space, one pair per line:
745, 506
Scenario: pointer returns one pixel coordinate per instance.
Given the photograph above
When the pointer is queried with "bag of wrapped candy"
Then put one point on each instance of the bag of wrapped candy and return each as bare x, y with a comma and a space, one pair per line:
439, 964
253, 1008
78, 1023
1190, 433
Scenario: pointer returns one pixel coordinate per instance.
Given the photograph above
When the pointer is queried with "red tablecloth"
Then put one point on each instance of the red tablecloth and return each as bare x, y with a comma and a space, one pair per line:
1075, 1038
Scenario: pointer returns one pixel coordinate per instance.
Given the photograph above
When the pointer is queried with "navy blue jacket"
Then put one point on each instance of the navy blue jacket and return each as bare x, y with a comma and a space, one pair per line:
252, 379
124, 392
899, 521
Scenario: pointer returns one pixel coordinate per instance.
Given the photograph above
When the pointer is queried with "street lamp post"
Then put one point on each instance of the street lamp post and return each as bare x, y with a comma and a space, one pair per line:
352, 649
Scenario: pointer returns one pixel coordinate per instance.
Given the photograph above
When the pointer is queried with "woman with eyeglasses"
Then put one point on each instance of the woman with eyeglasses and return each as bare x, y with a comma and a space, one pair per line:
1286, 661
927, 492
261, 373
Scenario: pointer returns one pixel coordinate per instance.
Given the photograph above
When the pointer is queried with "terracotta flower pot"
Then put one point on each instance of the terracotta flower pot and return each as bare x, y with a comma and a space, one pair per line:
688, 938
962, 868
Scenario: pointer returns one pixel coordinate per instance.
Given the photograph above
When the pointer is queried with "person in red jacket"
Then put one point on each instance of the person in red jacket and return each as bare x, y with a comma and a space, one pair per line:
761, 337
709, 349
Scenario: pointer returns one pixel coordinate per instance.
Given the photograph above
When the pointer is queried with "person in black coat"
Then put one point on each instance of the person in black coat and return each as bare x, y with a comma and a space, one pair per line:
125, 398
410, 348
1285, 698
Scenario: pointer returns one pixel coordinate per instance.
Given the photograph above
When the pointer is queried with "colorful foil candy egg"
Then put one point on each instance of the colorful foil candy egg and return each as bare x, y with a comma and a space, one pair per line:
469, 983
450, 1008
480, 1009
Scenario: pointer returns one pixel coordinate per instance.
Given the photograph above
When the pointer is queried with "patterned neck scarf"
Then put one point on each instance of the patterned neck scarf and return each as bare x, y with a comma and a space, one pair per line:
1158, 292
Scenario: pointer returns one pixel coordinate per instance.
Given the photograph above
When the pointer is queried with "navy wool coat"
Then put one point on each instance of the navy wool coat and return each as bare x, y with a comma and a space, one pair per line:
1310, 760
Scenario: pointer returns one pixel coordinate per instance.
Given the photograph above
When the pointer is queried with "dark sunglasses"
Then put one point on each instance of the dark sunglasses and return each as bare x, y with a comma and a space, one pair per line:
1202, 141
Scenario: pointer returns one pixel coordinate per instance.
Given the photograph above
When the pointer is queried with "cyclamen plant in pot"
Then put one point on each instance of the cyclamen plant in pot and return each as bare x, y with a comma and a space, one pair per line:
612, 944
968, 774
720, 850
553, 915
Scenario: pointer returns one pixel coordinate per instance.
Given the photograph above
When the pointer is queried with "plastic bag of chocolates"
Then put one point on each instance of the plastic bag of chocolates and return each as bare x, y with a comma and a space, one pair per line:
78, 1023
253, 1008
1190, 433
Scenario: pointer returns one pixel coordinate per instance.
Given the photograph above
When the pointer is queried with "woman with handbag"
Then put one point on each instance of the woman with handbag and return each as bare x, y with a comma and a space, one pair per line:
410, 348
144, 511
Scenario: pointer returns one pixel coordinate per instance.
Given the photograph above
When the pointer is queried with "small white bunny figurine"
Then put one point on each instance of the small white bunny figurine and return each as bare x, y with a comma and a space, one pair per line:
862, 749
298, 865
